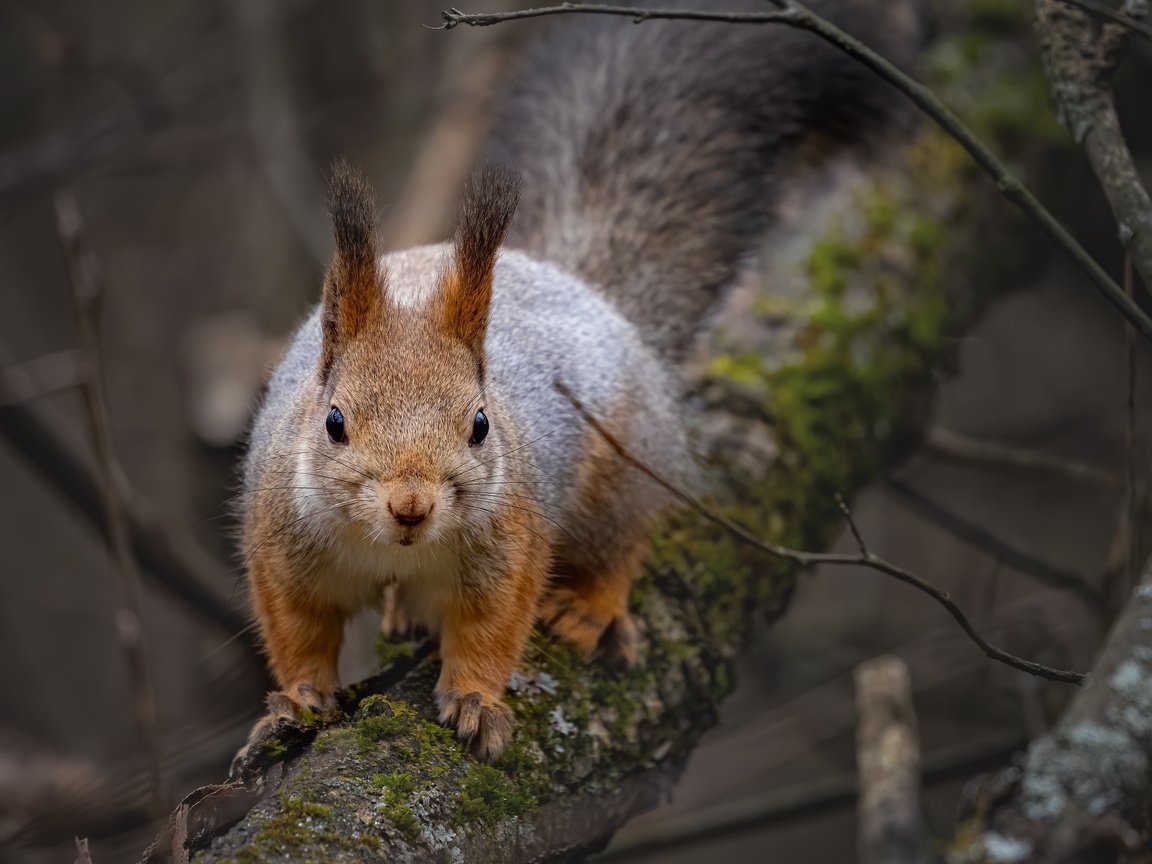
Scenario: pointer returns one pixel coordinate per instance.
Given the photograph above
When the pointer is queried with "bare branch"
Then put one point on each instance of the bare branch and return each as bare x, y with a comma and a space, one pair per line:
945, 442
41, 376
864, 559
1000, 549
793, 14
888, 758
179, 566
1080, 59
802, 801
87, 290
1129, 518
1110, 14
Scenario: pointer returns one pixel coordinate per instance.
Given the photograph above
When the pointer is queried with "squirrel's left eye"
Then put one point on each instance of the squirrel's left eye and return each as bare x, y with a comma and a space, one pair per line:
479, 429
335, 425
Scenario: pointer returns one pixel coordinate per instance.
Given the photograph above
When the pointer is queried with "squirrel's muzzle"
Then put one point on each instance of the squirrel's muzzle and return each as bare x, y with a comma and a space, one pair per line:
410, 508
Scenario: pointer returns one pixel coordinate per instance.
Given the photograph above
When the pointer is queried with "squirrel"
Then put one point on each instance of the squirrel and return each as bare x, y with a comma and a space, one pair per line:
413, 439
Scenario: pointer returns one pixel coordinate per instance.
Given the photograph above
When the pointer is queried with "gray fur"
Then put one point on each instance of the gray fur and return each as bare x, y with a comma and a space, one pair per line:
652, 153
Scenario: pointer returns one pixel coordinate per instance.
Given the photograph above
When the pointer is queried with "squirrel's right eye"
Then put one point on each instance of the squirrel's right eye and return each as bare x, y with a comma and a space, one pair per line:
335, 425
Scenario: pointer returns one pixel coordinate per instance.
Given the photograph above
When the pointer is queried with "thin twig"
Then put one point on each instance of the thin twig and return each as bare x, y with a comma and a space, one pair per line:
41, 376
953, 445
851, 524
865, 559
178, 565
980, 538
1130, 519
1110, 14
87, 290
793, 14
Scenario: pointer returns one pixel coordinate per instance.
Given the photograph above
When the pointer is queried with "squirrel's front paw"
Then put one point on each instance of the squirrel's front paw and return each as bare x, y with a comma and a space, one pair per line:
281, 706
291, 704
485, 726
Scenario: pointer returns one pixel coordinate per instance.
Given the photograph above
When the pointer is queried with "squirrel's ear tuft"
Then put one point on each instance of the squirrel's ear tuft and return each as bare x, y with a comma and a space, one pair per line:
353, 287
490, 199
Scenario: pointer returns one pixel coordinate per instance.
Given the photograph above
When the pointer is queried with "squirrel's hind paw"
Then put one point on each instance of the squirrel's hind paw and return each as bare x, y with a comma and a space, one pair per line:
586, 624
485, 729
619, 643
394, 621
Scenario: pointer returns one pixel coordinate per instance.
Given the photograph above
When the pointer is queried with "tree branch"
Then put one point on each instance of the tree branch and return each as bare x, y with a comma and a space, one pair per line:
1110, 14
1083, 792
42, 376
87, 293
891, 830
984, 540
179, 566
793, 14
1079, 60
953, 445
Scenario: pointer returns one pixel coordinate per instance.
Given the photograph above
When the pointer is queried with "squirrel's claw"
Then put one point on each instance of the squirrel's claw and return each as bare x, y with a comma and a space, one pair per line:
304, 697
485, 729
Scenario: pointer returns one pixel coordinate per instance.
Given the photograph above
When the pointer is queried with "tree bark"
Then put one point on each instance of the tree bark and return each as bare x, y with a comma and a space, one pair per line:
1082, 793
891, 830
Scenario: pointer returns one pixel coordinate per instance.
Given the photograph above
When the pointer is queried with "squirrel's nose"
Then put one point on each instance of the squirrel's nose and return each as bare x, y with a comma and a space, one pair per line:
409, 510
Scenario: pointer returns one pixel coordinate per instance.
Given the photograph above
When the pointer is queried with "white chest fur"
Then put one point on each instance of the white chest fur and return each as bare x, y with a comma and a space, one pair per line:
355, 571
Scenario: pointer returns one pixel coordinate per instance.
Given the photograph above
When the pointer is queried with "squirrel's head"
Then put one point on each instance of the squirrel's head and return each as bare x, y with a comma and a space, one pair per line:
404, 417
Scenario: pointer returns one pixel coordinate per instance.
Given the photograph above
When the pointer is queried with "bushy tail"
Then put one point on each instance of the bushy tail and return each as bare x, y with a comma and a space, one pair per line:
652, 153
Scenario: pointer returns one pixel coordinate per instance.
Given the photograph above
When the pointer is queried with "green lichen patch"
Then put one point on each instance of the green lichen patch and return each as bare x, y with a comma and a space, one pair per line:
488, 796
397, 788
397, 724
299, 824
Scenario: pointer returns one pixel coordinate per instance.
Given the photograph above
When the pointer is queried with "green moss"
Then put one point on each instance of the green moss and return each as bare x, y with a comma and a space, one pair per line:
488, 796
299, 824
833, 406
388, 651
746, 368
397, 788
828, 260
380, 719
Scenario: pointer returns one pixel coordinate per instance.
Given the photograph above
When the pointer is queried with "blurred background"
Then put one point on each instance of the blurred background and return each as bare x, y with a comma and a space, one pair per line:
193, 137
